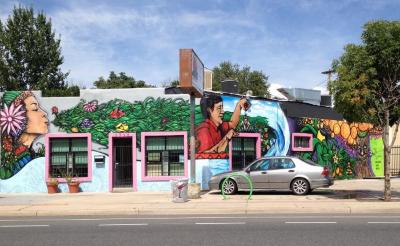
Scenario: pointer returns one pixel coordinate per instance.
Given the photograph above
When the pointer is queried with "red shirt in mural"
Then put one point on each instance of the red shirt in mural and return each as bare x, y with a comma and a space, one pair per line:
208, 134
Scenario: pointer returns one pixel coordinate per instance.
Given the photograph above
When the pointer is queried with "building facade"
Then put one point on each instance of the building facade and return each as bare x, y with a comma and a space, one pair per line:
139, 138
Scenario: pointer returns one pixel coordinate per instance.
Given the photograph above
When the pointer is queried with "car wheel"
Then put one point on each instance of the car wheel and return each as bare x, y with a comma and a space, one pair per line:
300, 186
230, 187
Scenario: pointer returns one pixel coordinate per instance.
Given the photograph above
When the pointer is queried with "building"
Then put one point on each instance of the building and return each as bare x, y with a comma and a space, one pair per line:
138, 138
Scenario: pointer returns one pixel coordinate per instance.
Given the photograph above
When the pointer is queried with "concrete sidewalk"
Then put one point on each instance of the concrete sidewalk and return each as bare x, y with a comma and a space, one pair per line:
345, 197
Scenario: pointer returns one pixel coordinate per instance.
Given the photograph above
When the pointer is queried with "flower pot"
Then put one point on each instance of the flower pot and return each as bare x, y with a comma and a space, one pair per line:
52, 188
73, 187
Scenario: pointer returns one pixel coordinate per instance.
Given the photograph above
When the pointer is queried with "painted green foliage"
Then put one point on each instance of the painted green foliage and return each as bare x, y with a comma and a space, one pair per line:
327, 151
340, 146
152, 114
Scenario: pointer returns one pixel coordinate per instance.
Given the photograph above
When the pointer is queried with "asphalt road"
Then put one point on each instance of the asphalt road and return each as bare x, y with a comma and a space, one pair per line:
212, 230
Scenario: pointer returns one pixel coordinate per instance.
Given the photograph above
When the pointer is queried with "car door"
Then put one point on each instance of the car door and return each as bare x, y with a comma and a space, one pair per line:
258, 174
280, 173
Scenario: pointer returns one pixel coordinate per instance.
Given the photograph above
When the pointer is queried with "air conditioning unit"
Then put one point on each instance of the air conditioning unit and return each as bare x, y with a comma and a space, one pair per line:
208, 77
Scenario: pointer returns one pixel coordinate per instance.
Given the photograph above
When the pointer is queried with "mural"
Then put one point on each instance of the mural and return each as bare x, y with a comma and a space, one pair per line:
22, 121
218, 119
343, 147
151, 114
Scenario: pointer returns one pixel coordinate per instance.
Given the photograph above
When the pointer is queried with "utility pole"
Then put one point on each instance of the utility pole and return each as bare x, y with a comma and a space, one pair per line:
329, 73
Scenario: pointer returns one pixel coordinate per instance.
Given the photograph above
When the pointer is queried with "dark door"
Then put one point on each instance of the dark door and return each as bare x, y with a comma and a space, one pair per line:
122, 160
243, 151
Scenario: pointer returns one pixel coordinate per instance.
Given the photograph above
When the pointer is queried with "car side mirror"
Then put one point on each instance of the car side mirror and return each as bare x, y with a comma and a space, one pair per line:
247, 170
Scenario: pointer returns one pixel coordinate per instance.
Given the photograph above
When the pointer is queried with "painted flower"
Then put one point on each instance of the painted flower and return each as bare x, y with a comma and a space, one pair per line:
20, 150
54, 110
86, 123
74, 129
11, 119
7, 144
122, 127
90, 106
116, 114
164, 120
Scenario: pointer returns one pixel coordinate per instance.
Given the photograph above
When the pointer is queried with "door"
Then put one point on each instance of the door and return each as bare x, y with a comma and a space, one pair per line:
243, 152
122, 162
280, 173
259, 174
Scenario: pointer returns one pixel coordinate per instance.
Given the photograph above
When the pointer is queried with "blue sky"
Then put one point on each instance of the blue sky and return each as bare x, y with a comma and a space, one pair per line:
290, 41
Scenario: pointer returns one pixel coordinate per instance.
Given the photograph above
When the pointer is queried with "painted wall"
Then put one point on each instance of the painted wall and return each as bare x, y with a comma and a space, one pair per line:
239, 115
97, 112
349, 150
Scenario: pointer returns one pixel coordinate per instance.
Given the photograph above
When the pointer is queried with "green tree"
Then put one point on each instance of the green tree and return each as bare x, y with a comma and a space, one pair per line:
70, 91
256, 81
120, 80
30, 55
367, 84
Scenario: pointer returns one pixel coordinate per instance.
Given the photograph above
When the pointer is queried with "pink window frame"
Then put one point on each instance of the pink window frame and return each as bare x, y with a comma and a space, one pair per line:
111, 136
143, 150
246, 135
310, 142
88, 136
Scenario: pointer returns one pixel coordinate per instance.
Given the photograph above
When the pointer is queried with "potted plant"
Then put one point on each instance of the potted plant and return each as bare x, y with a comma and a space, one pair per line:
73, 183
52, 185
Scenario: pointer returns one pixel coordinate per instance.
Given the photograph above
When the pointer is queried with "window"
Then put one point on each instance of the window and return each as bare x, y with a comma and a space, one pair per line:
68, 153
260, 165
302, 142
165, 155
281, 163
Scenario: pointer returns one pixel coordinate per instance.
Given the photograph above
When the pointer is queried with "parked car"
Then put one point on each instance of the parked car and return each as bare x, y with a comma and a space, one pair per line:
275, 173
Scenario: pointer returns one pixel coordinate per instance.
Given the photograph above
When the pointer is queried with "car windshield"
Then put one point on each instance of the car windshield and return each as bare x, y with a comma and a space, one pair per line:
308, 161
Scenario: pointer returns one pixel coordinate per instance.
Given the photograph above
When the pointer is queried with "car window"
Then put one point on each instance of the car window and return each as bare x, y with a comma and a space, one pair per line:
260, 165
275, 164
288, 163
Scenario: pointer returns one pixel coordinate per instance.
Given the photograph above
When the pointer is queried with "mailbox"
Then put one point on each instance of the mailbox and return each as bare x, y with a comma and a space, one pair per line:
99, 159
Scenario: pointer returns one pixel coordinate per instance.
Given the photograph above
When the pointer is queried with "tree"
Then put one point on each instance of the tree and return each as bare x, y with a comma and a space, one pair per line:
30, 55
70, 91
367, 87
256, 81
119, 81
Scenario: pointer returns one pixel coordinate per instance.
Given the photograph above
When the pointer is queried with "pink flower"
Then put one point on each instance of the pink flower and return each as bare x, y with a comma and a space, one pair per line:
164, 120
11, 119
54, 110
90, 106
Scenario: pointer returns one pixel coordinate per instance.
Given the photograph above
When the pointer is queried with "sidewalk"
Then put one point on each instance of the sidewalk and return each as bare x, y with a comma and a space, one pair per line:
345, 197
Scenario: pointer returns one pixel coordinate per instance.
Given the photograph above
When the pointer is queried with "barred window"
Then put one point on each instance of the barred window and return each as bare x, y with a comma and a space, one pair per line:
302, 142
243, 151
68, 156
164, 156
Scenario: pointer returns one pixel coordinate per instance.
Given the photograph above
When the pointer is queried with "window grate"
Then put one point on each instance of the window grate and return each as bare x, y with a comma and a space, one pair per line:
164, 156
68, 156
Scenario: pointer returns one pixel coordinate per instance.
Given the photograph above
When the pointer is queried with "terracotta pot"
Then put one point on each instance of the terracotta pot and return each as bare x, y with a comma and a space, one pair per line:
52, 188
73, 187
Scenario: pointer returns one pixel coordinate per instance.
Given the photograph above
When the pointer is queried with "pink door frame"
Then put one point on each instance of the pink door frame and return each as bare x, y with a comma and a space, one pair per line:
111, 136
246, 135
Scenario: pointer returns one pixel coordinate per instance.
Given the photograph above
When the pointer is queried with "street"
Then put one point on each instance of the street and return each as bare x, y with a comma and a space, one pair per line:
306, 229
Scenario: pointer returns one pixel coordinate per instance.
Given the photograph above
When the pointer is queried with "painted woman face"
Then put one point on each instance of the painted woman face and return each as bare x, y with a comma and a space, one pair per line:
37, 122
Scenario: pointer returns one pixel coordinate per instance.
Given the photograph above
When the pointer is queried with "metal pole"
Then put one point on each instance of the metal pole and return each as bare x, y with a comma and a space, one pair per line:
192, 141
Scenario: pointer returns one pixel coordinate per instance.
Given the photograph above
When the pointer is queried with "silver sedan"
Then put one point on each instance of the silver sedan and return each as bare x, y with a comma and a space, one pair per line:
275, 173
